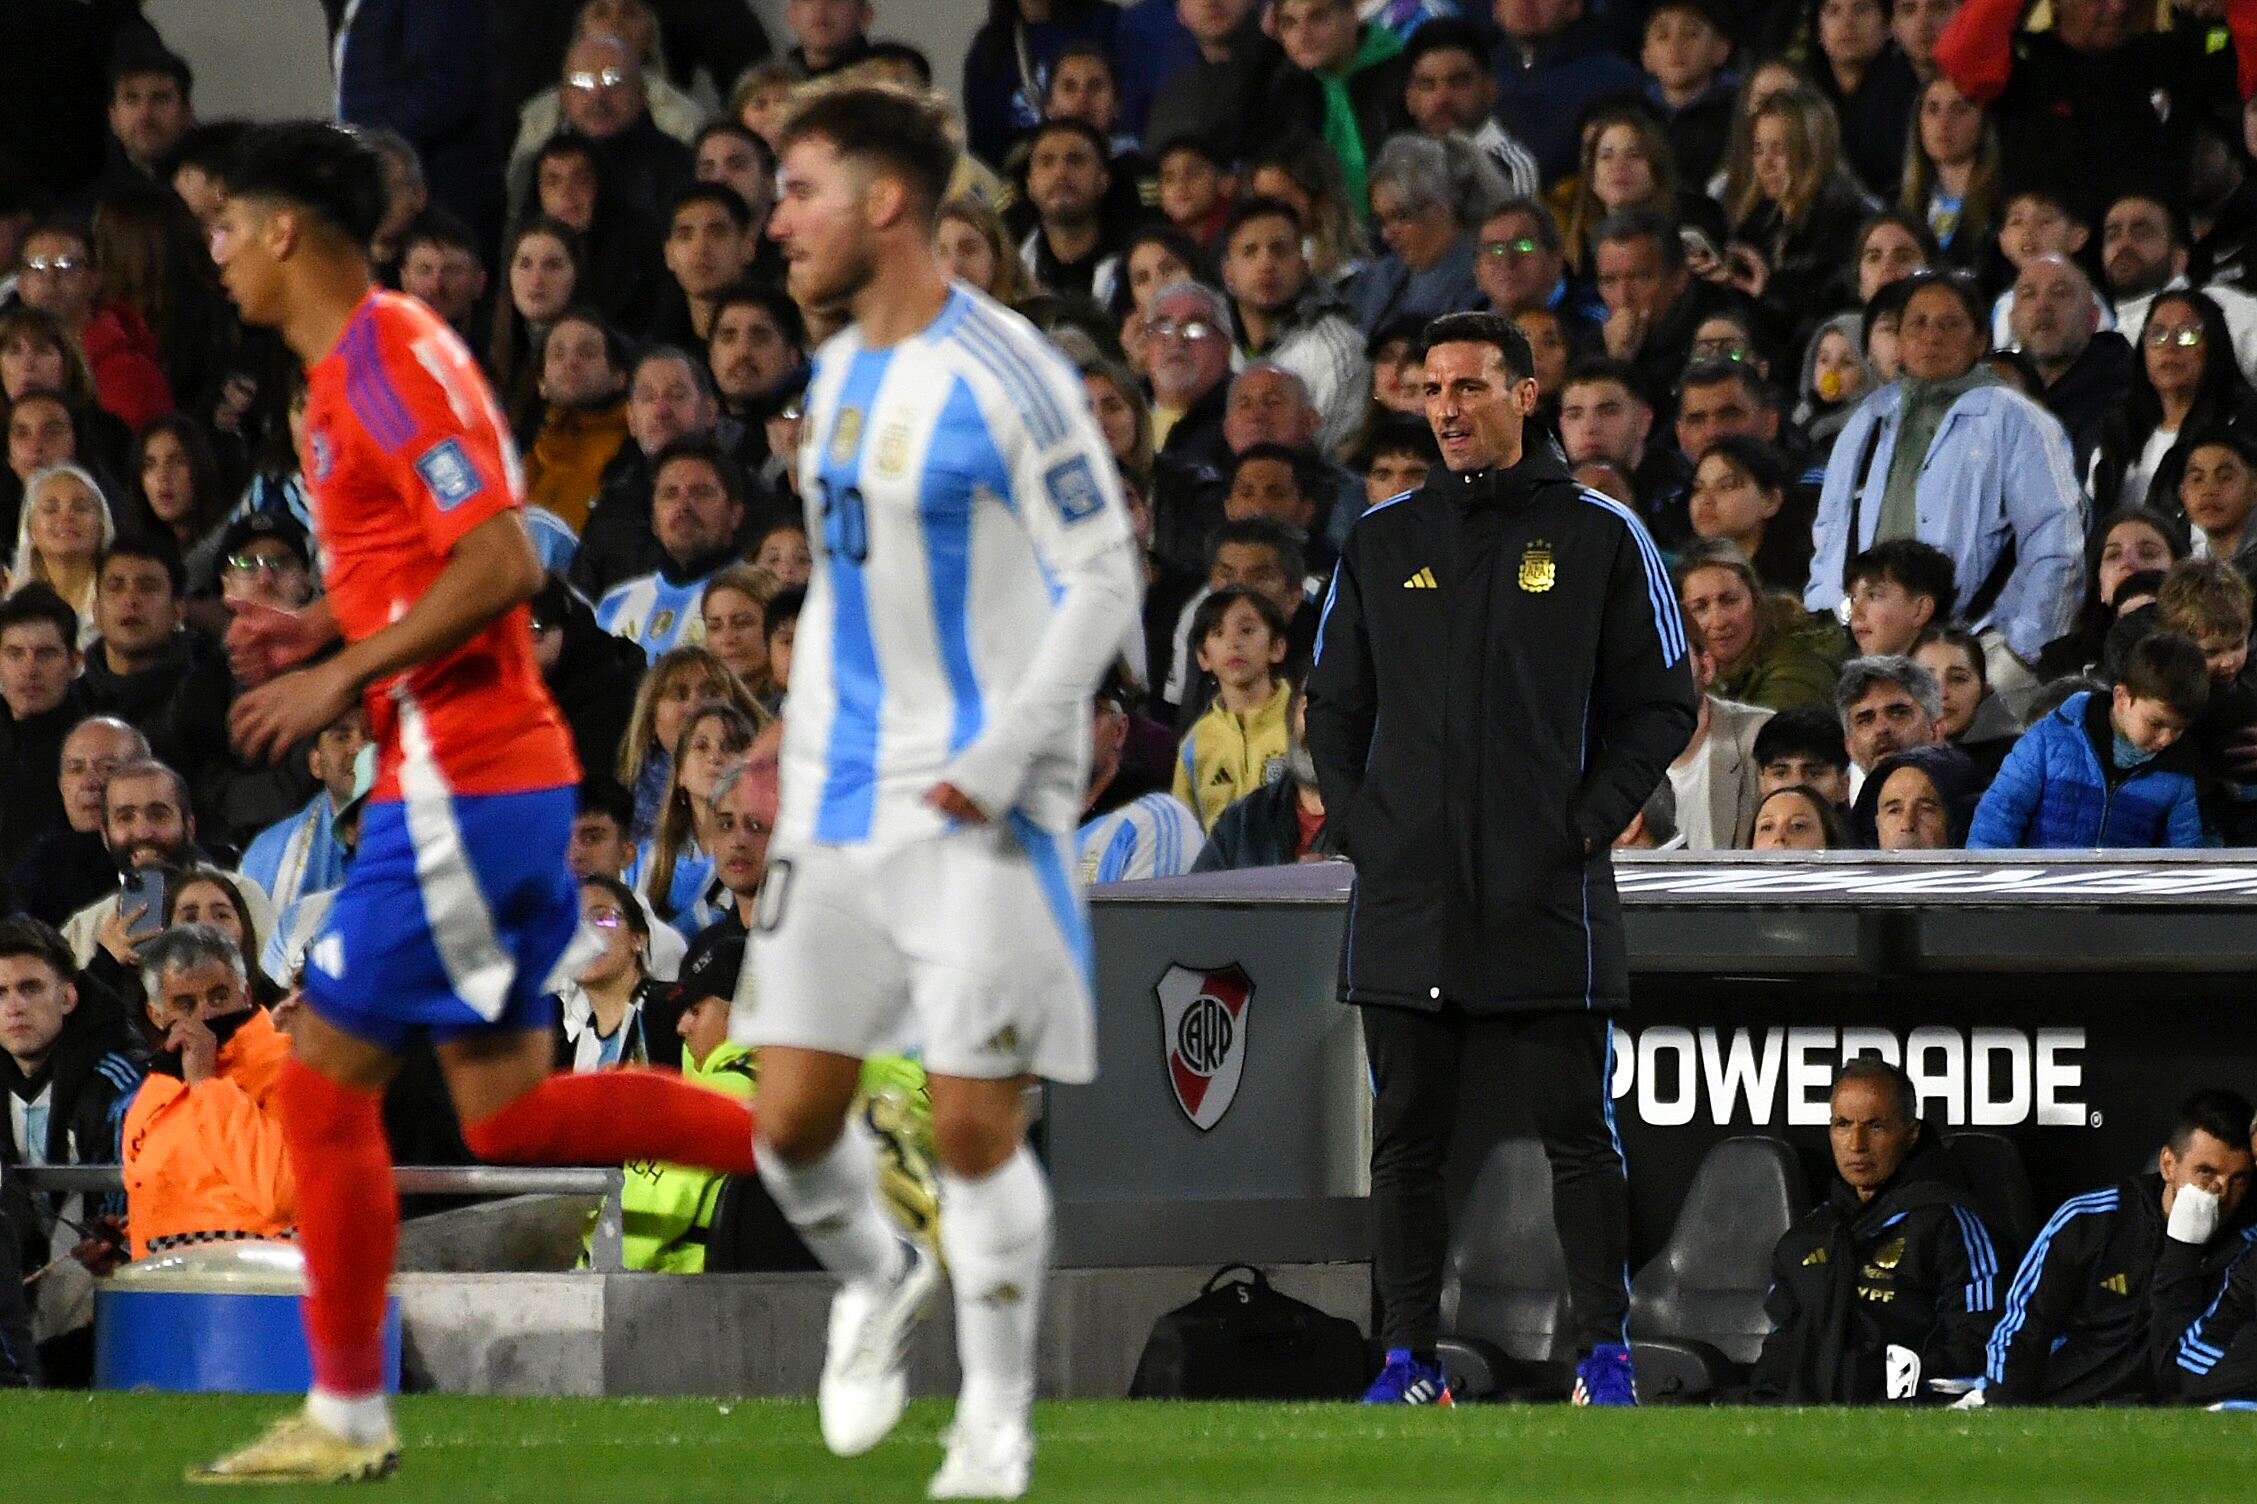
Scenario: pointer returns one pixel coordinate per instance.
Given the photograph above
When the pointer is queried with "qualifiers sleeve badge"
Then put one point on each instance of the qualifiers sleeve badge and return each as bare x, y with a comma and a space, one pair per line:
1538, 573
450, 475
1074, 490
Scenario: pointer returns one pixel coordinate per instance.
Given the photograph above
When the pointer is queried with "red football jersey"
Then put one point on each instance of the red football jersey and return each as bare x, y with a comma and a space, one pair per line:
406, 451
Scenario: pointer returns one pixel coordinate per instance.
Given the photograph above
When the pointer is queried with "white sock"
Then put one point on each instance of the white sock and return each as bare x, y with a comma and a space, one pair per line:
833, 1205
996, 1233
356, 1417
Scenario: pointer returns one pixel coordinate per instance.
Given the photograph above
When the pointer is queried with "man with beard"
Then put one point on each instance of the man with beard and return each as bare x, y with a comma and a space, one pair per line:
2144, 250
710, 239
148, 825
758, 347
583, 384
697, 507
2086, 369
1886, 704
1279, 823
1291, 321
1893, 1281
1068, 174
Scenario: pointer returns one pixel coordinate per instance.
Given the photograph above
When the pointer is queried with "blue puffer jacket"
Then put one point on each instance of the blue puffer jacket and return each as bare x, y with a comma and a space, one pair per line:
2058, 789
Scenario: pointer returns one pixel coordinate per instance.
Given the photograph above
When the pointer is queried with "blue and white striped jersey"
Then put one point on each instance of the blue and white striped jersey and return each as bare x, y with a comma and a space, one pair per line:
974, 575
1155, 835
653, 613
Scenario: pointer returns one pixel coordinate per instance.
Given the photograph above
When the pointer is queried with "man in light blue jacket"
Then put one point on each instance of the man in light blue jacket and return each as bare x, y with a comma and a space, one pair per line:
1949, 456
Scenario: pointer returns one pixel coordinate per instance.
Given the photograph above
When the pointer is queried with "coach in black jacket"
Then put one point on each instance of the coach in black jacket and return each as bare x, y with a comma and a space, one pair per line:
1895, 1265
1501, 679
2099, 1309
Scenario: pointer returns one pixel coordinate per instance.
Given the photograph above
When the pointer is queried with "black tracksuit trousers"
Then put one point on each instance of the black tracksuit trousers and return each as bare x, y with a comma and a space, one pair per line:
1560, 1066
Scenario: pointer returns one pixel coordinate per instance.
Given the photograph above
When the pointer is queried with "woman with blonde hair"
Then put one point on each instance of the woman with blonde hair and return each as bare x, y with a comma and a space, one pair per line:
682, 677
675, 867
1627, 163
735, 611
1123, 415
1953, 171
969, 239
65, 529
1799, 209
1768, 650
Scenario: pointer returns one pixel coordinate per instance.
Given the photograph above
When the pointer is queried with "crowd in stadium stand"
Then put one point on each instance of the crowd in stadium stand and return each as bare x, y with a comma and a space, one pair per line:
1916, 339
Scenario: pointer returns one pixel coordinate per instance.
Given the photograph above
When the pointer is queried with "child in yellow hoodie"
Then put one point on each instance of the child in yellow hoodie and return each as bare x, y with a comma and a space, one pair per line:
1240, 743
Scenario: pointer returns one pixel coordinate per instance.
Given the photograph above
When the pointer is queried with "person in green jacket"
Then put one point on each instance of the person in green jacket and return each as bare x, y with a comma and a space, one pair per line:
1769, 651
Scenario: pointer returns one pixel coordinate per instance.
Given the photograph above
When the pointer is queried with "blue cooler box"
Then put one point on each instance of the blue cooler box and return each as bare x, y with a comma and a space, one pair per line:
219, 1319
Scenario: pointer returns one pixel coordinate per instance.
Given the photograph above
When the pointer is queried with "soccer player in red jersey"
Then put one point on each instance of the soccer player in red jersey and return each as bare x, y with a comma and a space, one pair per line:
458, 911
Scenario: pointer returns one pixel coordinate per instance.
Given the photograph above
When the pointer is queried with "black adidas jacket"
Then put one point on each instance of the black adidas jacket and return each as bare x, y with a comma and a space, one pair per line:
2206, 1320
1501, 679
2081, 1325
1914, 1268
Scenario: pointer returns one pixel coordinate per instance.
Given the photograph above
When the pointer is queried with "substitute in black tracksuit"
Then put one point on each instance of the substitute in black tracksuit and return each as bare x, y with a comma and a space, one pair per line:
2103, 1299
1912, 1268
1501, 679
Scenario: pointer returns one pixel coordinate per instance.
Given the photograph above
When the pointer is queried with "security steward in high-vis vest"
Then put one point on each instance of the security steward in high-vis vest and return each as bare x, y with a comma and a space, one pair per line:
1501, 679
1892, 1283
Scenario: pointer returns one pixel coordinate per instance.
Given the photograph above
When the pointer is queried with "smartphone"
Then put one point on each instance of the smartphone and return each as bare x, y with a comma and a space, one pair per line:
142, 902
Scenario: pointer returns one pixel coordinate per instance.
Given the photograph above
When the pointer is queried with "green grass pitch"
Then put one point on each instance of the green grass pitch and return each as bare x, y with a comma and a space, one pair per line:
113, 1447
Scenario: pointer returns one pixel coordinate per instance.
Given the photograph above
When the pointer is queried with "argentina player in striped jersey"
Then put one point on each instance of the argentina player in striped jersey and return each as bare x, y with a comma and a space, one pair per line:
974, 575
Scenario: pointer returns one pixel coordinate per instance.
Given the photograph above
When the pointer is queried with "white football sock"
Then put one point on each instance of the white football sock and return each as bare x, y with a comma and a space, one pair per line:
996, 1233
360, 1418
833, 1205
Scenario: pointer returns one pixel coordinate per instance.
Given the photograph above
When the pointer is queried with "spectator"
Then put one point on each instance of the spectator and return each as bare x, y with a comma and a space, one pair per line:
1427, 195
600, 1011
440, 264
734, 610
65, 531
1886, 705
2217, 491
149, 826
1521, 263
1739, 489
1973, 719
970, 238
744, 819
1603, 415
265, 558
152, 107
1240, 637
2037, 222
1395, 459
1920, 799
1450, 88
1768, 652
1280, 823
710, 241
669, 397
1803, 748
1191, 360
1072, 250
606, 101
1954, 173
698, 506
1339, 78
406, 195
69, 866
733, 156
542, 262
781, 548
1157, 255
636, 26
583, 418
2087, 1311
1289, 320
208, 896
759, 346
1794, 818
1556, 66
1800, 209
1895, 590
1908, 1261
56, 274
1195, 185
674, 869
1132, 827
1686, 55
39, 663
176, 495
1892, 244
2100, 770
69, 1067
1653, 301
829, 35
1207, 98
154, 261
1836, 377
2207, 602
2087, 370
571, 181
2129, 542
1302, 171
1008, 66
38, 356
204, 1157
2186, 381
2076, 105
138, 667
1966, 466
681, 679
1861, 72
302, 855
1118, 404
2144, 251
1626, 164
1715, 779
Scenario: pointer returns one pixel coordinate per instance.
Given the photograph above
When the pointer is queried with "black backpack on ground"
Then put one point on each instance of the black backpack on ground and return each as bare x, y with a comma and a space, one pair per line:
1242, 1340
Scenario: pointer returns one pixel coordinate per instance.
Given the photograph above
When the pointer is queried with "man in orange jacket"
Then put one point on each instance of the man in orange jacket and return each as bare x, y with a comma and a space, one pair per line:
204, 1156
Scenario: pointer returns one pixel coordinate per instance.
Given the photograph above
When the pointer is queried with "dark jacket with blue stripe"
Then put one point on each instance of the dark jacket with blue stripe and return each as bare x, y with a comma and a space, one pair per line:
90, 1079
1501, 679
1914, 1268
2083, 1323
2208, 1321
